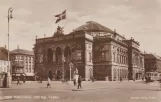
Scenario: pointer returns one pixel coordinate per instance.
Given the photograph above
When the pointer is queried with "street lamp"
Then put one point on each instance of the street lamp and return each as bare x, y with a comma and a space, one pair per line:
63, 60
8, 74
70, 65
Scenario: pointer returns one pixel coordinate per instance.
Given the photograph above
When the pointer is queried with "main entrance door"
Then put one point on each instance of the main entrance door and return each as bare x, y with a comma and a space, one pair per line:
58, 74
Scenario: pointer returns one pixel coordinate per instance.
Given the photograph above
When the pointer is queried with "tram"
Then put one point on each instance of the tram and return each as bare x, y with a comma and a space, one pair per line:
154, 76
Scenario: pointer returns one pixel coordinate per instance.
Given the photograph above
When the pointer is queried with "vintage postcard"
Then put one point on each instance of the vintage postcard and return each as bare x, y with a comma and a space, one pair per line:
80, 51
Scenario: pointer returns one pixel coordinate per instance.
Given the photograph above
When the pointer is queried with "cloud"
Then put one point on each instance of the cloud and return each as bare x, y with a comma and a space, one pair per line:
22, 12
72, 16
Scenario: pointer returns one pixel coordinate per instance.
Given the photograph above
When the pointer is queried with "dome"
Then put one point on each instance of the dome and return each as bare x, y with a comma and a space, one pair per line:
93, 26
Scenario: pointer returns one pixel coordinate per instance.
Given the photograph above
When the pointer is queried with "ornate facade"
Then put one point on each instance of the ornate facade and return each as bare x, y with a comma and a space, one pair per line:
94, 50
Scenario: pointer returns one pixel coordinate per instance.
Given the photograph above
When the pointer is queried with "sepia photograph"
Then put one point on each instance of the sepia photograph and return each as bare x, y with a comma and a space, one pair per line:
80, 51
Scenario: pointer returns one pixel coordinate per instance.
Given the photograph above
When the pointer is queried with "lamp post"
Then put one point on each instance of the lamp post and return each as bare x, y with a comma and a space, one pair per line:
9, 69
70, 65
63, 60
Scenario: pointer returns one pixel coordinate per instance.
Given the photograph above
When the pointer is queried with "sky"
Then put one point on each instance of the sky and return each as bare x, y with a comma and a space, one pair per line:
140, 19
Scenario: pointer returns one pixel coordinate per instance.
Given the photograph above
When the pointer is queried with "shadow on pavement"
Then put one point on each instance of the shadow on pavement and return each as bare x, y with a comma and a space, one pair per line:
77, 90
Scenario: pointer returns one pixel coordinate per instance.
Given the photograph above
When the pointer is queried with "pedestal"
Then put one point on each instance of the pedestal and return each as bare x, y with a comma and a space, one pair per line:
9, 79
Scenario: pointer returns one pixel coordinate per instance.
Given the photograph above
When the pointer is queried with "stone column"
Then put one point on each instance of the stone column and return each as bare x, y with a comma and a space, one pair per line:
63, 60
54, 57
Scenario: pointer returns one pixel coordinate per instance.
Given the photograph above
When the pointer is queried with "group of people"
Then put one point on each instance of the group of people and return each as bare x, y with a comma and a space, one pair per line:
147, 79
75, 81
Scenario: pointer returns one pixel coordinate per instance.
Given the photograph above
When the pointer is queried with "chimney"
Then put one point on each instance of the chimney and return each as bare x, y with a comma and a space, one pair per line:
17, 46
115, 30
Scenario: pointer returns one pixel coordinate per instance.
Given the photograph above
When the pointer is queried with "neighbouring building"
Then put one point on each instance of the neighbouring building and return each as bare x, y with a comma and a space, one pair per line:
152, 63
4, 60
94, 49
22, 64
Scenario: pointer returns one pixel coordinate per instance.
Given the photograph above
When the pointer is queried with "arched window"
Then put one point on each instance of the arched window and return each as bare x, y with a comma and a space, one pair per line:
67, 54
58, 55
49, 55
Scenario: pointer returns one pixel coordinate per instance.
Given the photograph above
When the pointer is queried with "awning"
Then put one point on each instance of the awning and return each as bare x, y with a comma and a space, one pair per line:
16, 74
29, 74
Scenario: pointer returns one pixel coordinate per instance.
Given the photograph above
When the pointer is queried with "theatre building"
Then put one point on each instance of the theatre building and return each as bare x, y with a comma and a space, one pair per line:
94, 50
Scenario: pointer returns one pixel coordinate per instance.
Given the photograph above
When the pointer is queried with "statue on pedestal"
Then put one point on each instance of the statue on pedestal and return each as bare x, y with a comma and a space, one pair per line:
59, 31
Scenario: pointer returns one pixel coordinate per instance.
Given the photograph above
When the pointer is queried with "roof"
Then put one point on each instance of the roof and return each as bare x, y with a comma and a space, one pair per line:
22, 51
93, 26
3, 53
3, 49
152, 56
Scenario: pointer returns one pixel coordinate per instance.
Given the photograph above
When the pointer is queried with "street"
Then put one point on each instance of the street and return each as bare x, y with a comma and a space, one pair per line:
99, 91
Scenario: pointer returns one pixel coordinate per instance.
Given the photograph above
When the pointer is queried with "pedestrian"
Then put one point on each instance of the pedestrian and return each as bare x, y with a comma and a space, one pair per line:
120, 79
92, 79
48, 83
66, 80
160, 83
18, 81
40, 79
74, 81
128, 79
5, 81
109, 79
79, 82
146, 79
24, 79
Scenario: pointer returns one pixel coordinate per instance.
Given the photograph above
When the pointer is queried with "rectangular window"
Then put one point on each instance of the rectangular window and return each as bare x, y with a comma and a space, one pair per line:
103, 56
90, 57
114, 57
26, 69
117, 58
79, 56
120, 59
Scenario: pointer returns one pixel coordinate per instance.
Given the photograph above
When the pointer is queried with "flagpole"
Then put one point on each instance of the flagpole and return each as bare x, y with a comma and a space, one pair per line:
66, 19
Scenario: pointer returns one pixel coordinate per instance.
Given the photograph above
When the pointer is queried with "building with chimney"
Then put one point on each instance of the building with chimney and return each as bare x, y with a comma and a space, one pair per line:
95, 51
22, 64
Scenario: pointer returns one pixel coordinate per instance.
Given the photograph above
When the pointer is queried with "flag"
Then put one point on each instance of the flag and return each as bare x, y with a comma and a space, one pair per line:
61, 16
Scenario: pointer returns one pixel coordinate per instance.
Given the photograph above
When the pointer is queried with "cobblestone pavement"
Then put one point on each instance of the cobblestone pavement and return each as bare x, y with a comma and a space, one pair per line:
90, 92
